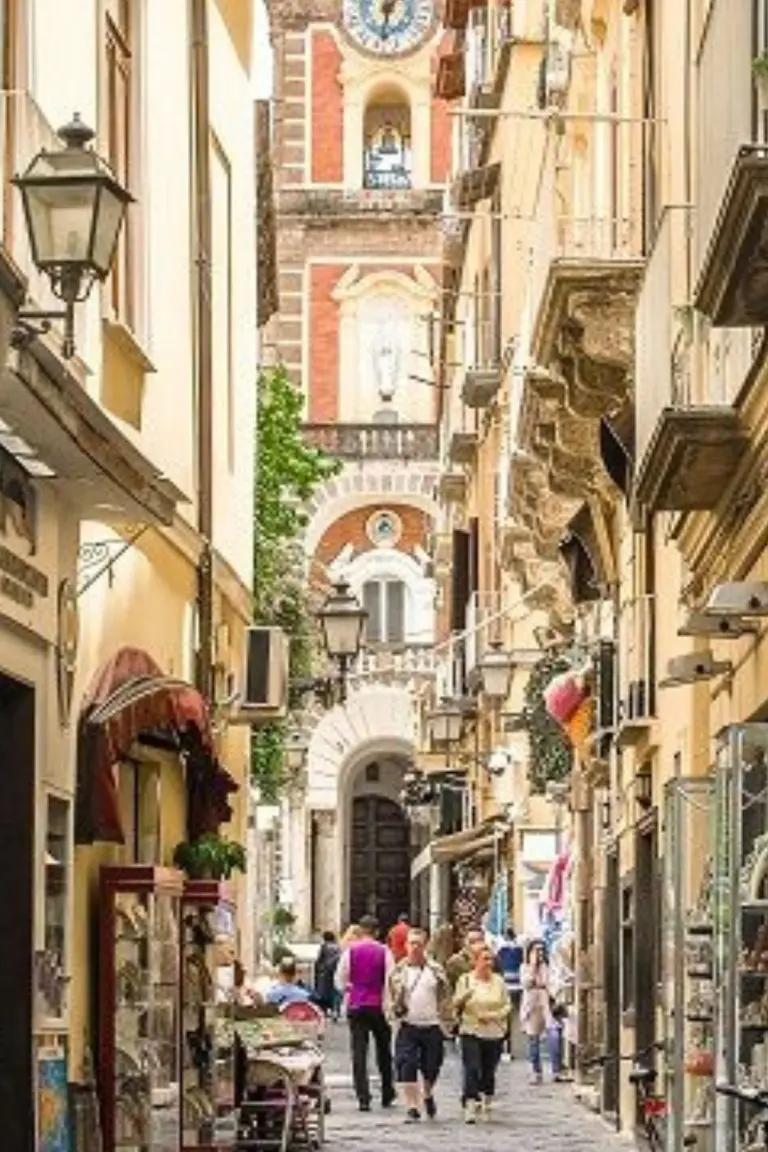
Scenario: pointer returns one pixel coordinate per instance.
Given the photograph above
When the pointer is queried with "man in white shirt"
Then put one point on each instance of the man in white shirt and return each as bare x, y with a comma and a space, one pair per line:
418, 998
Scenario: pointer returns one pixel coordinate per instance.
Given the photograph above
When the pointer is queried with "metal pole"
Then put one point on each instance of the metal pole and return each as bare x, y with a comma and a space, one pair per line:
198, 17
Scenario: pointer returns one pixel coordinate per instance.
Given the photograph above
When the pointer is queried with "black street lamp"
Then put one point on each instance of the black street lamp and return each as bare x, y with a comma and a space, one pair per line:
74, 208
342, 621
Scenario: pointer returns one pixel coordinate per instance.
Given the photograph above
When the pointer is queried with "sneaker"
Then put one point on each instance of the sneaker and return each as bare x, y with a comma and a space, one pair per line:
388, 1101
430, 1107
412, 1116
470, 1113
487, 1107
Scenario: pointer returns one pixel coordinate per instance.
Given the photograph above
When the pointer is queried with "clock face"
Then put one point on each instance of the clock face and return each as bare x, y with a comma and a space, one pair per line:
388, 26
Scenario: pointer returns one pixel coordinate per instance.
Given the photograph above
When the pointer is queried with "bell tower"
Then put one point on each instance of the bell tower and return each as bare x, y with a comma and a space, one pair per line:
361, 151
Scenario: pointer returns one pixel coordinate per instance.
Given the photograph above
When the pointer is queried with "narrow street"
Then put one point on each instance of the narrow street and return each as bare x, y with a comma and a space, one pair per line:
546, 1119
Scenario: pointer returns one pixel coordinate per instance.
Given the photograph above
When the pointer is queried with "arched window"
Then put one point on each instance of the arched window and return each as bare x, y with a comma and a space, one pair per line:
387, 141
385, 602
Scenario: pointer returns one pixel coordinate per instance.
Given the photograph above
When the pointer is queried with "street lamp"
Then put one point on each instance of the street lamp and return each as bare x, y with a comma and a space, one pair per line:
296, 750
74, 209
445, 724
496, 673
342, 621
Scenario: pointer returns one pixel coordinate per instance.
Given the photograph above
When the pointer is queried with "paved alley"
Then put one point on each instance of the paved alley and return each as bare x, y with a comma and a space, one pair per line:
545, 1119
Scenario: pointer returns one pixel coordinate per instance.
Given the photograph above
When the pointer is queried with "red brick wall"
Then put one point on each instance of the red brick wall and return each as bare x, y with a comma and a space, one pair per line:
441, 126
323, 343
327, 111
350, 529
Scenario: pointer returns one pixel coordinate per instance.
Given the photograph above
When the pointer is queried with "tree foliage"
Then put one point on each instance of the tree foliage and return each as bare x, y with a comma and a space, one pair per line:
551, 756
287, 472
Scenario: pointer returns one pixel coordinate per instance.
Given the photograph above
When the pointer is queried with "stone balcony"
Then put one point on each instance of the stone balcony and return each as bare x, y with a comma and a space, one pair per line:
317, 206
362, 442
395, 664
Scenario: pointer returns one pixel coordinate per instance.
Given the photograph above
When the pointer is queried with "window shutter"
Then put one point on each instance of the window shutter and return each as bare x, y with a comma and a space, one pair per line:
460, 580
395, 611
372, 605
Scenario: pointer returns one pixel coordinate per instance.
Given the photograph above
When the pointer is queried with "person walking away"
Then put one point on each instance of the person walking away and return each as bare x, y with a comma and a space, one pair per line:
398, 938
509, 959
326, 994
287, 989
362, 975
536, 1012
418, 1000
482, 1005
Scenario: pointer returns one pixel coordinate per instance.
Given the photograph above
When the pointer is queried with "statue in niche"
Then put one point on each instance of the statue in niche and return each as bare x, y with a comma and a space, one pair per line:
387, 368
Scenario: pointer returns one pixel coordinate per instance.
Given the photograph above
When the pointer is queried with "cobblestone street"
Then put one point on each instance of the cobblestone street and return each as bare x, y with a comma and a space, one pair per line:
545, 1119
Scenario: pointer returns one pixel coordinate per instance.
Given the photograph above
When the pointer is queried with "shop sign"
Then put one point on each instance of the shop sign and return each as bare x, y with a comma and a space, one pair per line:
20, 581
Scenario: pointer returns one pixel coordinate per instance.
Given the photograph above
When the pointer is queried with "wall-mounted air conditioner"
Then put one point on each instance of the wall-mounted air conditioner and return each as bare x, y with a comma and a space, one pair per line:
263, 691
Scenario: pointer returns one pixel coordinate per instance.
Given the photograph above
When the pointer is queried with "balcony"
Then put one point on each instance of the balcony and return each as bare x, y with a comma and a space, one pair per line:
484, 626
687, 450
481, 386
452, 487
362, 442
315, 207
387, 179
462, 447
637, 671
406, 664
731, 289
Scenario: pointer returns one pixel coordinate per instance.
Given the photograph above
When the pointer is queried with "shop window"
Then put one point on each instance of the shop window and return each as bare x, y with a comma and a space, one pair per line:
627, 947
121, 122
385, 602
53, 961
387, 142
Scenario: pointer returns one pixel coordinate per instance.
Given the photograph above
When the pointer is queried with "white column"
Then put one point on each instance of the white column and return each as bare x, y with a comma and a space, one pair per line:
421, 139
353, 141
435, 898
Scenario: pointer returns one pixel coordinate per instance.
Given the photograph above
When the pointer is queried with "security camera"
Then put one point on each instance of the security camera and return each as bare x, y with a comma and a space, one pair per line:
719, 627
740, 599
693, 668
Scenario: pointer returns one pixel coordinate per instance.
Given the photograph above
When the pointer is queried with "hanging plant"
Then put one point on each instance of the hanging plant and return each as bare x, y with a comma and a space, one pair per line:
210, 857
551, 755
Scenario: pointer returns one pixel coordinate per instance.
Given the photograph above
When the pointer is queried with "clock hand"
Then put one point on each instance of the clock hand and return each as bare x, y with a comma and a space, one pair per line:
387, 8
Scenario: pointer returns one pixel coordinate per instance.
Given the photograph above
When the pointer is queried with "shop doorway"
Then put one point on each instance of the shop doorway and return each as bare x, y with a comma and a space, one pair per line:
646, 935
612, 984
17, 854
380, 861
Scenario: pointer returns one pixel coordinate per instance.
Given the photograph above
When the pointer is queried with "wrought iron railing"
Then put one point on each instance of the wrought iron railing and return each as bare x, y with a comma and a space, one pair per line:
375, 441
388, 179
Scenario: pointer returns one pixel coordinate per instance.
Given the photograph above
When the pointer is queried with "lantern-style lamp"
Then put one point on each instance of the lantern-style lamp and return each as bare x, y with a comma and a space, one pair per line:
74, 208
496, 672
342, 619
445, 723
296, 750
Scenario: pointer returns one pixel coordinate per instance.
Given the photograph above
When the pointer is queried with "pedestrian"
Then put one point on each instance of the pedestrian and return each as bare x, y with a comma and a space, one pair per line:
287, 989
509, 959
327, 994
463, 961
353, 933
362, 975
482, 1005
398, 938
536, 1011
442, 944
419, 1000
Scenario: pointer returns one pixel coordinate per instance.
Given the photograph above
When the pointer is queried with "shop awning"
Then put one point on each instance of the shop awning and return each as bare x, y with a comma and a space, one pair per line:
456, 846
130, 697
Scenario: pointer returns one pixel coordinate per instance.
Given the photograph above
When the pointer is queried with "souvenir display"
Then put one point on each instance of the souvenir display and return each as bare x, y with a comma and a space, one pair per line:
208, 993
688, 964
139, 1009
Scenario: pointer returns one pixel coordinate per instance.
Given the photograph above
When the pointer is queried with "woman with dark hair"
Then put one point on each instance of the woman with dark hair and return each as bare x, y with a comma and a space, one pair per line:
482, 1006
536, 1011
327, 996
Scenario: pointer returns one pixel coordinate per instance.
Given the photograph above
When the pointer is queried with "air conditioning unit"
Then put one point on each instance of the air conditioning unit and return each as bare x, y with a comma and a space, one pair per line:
263, 693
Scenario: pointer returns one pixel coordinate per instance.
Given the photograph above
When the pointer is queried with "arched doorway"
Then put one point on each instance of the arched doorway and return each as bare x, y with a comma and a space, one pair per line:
380, 860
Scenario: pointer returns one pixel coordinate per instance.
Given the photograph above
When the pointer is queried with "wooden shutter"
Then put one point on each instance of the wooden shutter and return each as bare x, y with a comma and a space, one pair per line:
460, 582
372, 605
395, 611
474, 555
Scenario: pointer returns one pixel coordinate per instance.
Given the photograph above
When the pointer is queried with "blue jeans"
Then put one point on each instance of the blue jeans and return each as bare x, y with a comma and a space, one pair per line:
553, 1044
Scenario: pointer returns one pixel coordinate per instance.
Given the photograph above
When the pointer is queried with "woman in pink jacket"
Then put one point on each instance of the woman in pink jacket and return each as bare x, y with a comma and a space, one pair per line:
536, 1013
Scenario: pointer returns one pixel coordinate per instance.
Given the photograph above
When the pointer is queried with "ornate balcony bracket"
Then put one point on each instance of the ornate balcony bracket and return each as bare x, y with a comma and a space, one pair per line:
452, 488
691, 460
481, 386
463, 447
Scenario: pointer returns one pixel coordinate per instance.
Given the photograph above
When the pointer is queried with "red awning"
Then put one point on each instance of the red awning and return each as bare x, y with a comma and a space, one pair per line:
129, 696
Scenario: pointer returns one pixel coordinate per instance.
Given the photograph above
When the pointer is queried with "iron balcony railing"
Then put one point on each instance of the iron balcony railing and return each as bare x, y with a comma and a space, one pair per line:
375, 441
388, 179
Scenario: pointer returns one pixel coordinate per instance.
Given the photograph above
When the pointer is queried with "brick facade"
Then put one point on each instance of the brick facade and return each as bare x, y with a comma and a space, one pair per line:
441, 127
350, 529
327, 111
323, 343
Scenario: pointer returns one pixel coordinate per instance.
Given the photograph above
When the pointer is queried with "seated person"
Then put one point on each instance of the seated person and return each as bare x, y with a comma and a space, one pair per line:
287, 989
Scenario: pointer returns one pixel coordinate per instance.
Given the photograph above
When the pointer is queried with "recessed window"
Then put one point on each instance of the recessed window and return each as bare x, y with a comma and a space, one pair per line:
384, 601
387, 145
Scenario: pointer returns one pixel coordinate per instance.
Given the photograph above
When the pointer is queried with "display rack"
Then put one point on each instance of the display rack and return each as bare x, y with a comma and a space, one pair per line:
208, 943
741, 926
139, 1005
688, 962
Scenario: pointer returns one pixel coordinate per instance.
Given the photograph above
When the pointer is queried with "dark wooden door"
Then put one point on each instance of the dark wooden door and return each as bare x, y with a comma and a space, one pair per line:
380, 861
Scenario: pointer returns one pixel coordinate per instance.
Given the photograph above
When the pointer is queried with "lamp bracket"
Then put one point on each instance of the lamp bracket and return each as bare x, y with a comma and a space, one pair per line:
31, 323
102, 555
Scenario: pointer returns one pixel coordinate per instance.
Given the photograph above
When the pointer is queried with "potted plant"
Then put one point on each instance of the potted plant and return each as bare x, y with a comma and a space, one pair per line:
210, 857
282, 920
760, 74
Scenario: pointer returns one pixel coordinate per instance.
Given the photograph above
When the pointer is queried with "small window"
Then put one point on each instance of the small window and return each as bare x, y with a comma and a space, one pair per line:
384, 601
121, 126
627, 947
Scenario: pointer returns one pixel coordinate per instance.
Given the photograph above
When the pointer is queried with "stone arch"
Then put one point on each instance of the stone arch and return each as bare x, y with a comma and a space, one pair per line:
413, 484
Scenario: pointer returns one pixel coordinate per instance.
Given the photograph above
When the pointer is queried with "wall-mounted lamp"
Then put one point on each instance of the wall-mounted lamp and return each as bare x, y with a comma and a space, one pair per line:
342, 621
495, 670
296, 750
74, 209
446, 724
644, 787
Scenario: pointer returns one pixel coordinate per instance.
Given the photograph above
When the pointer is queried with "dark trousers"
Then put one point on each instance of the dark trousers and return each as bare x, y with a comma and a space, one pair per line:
363, 1023
480, 1059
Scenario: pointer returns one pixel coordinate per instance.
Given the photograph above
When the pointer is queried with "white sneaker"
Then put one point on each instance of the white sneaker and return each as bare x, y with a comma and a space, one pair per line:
470, 1112
486, 1107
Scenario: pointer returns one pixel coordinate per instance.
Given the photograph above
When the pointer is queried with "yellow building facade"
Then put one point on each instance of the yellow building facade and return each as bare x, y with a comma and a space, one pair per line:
603, 442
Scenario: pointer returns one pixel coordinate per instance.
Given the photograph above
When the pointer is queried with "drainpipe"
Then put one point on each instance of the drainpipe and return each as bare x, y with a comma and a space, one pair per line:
198, 24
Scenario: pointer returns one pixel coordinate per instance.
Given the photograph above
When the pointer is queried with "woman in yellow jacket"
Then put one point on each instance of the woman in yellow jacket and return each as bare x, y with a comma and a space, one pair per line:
482, 1006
